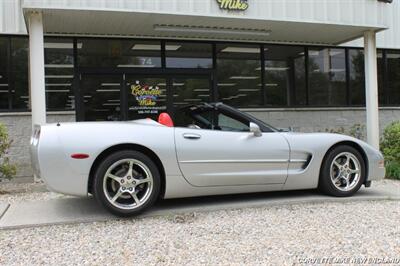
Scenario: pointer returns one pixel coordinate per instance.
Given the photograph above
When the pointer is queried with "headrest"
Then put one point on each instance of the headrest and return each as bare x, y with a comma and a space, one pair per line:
165, 119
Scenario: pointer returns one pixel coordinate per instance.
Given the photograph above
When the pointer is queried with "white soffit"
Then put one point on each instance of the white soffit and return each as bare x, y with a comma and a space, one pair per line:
283, 21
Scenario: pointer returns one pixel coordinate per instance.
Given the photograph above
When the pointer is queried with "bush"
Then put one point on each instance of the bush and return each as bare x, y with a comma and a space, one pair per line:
7, 170
393, 170
390, 146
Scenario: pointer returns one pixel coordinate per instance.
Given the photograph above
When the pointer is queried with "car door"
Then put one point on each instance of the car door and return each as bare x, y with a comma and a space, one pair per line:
229, 154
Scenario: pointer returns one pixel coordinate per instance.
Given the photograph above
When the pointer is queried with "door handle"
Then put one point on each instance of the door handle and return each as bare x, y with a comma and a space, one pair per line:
191, 136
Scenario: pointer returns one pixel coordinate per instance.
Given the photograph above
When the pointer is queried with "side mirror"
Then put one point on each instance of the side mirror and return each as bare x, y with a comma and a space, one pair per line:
255, 129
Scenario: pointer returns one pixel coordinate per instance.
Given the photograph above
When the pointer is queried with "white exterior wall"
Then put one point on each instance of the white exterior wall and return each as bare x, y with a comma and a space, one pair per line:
390, 38
11, 17
357, 12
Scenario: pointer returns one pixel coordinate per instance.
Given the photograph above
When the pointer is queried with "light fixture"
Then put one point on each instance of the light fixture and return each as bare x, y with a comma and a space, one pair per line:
58, 84
2, 91
103, 90
110, 84
217, 30
244, 77
60, 45
59, 76
226, 84
273, 68
198, 90
192, 100
335, 70
393, 56
155, 47
178, 84
57, 91
111, 104
277, 68
135, 65
3, 85
59, 65
248, 90
204, 95
113, 100
247, 50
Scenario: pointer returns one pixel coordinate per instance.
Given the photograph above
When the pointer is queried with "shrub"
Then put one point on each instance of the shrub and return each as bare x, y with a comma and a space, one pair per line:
7, 170
390, 147
391, 142
393, 170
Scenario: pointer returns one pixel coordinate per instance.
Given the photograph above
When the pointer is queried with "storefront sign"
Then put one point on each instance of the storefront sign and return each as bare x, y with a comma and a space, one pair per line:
238, 5
146, 95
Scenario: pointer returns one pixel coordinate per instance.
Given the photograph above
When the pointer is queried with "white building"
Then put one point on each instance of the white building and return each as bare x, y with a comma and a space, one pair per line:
302, 64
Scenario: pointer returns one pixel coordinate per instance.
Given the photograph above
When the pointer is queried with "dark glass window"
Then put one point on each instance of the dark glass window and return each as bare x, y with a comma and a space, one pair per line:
239, 75
284, 71
188, 55
357, 77
101, 97
327, 77
19, 73
4, 84
382, 96
112, 53
188, 90
393, 76
59, 73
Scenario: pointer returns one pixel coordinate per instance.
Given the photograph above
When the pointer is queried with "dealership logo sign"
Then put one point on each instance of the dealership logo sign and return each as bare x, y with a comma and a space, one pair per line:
146, 95
238, 5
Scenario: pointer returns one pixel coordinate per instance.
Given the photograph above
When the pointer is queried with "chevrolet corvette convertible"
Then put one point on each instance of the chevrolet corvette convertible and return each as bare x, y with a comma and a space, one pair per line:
210, 149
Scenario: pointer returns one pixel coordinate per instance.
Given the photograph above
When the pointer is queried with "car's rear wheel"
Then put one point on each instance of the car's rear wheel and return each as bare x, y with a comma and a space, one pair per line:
343, 172
126, 183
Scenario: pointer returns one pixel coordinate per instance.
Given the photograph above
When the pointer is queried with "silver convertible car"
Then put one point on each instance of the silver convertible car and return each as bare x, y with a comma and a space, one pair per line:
209, 149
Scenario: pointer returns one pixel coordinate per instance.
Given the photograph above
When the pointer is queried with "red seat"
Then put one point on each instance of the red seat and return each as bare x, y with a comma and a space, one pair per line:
165, 119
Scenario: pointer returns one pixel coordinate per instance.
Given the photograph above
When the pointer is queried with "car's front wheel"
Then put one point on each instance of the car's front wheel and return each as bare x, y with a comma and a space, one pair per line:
126, 183
343, 172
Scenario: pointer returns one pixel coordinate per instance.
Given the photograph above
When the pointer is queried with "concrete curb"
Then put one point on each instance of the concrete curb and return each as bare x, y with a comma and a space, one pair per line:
84, 210
3, 208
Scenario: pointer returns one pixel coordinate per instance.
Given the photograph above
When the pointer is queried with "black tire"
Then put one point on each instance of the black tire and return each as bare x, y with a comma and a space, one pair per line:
326, 184
108, 162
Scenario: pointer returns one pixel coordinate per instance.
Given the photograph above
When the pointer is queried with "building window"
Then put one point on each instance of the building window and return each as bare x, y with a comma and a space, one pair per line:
59, 74
115, 53
19, 73
4, 83
393, 77
101, 97
327, 77
188, 55
190, 90
239, 75
284, 73
357, 77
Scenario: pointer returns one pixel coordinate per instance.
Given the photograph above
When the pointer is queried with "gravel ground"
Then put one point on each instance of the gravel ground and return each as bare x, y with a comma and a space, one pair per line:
16, 192
284, 235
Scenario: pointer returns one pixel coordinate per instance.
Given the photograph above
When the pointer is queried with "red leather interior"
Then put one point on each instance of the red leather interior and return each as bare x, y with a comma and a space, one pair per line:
165, 119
